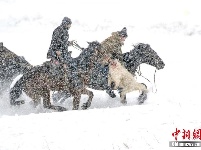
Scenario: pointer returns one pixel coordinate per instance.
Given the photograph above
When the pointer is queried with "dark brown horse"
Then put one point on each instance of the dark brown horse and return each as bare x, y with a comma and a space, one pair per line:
40, 80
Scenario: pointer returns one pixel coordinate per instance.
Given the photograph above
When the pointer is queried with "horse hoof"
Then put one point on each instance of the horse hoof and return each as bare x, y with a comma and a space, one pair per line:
111, 94
62, 109
58, 108
142, 98
124, 102
19, 103
86, 105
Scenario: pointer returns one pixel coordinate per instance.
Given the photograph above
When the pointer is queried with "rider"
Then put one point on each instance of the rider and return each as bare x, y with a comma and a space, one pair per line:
112, 45
58, 50
111, 48
60, 56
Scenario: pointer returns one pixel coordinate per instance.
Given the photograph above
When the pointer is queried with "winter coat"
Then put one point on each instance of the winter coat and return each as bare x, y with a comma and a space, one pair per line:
112, 46
60, 43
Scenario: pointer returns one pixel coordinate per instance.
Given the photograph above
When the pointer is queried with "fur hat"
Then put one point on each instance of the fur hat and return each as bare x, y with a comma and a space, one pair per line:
123, 32
66, 21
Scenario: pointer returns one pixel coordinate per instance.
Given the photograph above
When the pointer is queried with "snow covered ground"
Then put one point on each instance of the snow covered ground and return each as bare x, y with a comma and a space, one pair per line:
172, 28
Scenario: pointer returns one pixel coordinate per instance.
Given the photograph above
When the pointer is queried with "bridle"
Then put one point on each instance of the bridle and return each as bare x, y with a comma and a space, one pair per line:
140, 74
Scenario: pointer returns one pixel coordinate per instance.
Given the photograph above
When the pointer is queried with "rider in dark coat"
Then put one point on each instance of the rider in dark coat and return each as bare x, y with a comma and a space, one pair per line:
62, 62
58, 50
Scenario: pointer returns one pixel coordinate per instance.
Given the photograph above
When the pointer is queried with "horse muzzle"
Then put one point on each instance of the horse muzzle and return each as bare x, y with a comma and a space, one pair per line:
160, 65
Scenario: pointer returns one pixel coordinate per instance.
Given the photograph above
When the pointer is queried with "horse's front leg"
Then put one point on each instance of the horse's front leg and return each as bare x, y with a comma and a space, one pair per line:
143, 96
76, 100
91, 95
109, 89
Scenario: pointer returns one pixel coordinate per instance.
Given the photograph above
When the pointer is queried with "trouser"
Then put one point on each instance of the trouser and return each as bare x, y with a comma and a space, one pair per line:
74, 74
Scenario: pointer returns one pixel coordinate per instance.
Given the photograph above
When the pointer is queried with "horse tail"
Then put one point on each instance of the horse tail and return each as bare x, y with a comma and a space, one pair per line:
16, 91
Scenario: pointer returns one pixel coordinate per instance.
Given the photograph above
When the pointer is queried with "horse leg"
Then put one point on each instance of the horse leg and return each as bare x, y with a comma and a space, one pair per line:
76, 100
123, 98
143, 96
110, 92
15, 93
143, 88
47, 103
122, 93
88, 103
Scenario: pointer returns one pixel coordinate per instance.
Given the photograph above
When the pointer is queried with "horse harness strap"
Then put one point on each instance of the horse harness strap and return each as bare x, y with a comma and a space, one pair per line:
140, 74
75, 45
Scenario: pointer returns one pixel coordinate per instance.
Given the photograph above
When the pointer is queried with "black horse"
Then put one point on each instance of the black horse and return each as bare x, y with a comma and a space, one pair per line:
11, 65
141, 53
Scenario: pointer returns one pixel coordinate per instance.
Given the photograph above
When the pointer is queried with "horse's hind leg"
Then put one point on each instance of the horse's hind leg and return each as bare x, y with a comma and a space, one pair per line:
88, 103
143, 95
14, 94
123, 98
47, 103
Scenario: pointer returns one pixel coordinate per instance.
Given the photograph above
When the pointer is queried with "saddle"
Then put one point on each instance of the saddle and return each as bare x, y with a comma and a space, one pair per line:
56, 71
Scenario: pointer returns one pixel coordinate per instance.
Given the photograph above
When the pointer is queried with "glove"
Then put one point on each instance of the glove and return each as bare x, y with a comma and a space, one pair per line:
71, 43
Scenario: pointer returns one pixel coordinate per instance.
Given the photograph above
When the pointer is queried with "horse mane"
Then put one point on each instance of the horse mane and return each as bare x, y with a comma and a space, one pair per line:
140, 46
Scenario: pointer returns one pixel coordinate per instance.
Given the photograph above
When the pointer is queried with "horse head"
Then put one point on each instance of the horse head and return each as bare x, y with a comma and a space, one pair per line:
12, 64
147, 55
95, 45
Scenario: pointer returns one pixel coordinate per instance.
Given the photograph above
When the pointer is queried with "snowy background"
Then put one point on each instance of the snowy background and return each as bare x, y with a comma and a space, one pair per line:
171, 27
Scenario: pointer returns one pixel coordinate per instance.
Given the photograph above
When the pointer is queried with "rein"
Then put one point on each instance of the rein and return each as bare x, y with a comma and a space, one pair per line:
140, 74
75, 45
